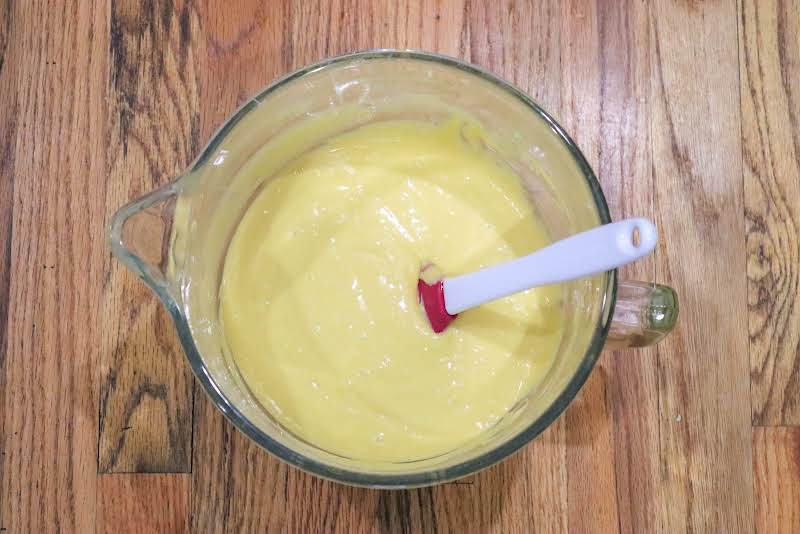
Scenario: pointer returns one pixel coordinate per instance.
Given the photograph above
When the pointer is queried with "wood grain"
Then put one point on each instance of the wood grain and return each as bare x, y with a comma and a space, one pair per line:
776, 470
57, 257
697, 172
430, 24
520, 41
625, 169
244, 490
235, 486
591, 481
769, 50
136, 503
526, 493
592, 486
243, 47
689, 113
153, 123
8, 130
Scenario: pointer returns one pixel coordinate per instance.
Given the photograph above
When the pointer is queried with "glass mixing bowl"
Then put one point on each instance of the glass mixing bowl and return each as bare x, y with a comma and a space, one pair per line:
176, 238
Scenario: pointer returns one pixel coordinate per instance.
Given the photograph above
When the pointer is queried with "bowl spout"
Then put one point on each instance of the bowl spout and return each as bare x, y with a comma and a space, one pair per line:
139, 235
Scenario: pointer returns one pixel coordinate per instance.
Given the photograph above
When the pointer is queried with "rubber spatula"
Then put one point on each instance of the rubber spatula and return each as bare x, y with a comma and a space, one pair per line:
594, 251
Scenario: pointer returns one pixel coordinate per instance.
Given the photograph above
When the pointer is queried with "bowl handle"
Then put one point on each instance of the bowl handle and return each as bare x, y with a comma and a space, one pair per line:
643, 315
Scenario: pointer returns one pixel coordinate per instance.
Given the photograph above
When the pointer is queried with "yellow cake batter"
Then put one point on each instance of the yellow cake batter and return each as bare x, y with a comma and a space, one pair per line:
319, 293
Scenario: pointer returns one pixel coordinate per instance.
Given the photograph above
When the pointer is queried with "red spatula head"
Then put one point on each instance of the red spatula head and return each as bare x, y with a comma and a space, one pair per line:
432, 298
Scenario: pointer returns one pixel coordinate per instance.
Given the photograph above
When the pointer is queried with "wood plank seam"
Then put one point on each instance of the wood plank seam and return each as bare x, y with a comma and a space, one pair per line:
8, 127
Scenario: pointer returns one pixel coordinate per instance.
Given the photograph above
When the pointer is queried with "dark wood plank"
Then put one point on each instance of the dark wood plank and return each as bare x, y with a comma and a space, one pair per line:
137, 503
57, 53
153, 133
703, 385
769, 50
776, 471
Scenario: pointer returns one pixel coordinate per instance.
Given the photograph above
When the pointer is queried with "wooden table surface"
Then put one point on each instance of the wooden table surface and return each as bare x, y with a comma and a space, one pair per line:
688, 110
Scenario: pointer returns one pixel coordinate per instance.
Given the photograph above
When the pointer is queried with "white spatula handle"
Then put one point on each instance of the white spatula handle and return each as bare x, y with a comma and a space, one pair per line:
594, 251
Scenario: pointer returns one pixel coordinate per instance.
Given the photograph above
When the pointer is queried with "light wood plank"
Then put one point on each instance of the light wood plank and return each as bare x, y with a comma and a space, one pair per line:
591, 488
703, 366
522, 42
591, 481
236, 486
137, 503
153, 124
776, 470
429, 24
625, 169
612, 427
769, 50
57, 259
245, 47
